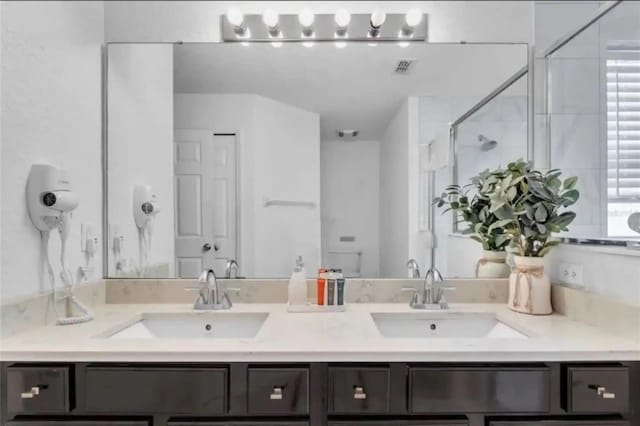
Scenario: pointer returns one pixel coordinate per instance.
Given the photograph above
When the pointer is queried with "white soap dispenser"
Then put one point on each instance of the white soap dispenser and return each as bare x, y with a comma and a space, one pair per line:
298, 284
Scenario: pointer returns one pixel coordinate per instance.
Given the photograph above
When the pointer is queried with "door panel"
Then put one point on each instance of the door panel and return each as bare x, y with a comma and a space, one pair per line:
205, 201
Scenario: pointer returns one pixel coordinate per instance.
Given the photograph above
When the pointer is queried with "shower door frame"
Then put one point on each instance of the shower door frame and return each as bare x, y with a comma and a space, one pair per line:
453, 127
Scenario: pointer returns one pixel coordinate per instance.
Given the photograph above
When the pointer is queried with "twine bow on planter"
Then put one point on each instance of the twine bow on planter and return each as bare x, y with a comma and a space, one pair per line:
528, 272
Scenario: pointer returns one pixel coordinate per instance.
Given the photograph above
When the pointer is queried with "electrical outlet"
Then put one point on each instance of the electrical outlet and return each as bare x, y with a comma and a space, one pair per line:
88, 238
571, 273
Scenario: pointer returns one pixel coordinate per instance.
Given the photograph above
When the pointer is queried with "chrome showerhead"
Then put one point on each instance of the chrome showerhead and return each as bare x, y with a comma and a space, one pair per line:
486, 143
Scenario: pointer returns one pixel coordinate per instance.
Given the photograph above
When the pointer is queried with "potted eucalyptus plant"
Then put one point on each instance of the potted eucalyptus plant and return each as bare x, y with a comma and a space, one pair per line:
472, 203
530, 208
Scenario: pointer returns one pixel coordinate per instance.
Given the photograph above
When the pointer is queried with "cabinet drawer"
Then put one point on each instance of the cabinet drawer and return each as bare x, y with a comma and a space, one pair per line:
561, 423
38, 389
281, 391
479, 390
156, 390
249, 423
358, 390
597, 389
71, 422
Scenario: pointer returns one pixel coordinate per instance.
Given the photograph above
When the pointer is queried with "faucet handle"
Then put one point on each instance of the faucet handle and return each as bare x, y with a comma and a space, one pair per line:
414, 297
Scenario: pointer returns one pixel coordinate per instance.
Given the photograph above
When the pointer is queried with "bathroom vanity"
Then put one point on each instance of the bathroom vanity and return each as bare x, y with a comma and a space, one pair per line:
319, 393
318, 369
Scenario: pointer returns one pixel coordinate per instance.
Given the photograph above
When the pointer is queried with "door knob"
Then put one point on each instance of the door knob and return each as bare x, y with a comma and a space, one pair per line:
206, 247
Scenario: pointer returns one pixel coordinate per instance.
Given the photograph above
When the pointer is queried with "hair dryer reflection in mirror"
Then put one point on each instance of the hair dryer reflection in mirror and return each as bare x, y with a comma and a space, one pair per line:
145, 208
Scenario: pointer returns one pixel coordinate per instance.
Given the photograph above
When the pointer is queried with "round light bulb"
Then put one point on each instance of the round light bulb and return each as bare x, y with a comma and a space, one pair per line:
305, 17
413, 17
342, 18
276, 44
270, 18
377, 18
341, 44
235, 17
307, 44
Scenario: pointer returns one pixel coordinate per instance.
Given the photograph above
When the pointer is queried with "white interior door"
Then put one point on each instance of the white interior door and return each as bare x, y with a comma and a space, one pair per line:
205, 201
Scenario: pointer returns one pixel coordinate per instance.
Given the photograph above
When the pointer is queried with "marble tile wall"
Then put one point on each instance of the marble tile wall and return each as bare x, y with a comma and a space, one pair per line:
275, 290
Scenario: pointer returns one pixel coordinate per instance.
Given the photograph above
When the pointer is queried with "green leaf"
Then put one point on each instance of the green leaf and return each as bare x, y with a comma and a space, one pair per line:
541, 213
570, 183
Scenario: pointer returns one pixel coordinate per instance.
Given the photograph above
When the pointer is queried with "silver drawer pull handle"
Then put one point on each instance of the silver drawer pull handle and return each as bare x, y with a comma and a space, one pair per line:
602, 391
276, 394
358, 393
33, 392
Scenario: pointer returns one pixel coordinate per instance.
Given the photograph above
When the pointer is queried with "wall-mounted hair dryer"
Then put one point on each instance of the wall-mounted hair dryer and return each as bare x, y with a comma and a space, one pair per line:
50, 202
49, 195
145, 205
145, 209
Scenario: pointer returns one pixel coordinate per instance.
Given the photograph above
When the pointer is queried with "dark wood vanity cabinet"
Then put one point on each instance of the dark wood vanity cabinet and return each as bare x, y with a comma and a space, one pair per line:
321, 394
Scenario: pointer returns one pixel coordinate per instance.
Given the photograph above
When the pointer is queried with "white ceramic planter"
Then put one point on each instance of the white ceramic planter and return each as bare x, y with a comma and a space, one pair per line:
529, 287
493, 265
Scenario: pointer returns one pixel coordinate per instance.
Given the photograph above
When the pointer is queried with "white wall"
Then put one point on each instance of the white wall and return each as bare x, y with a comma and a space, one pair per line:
350, 188
279, 159
140, 133
51, 113
399, 216
189, 21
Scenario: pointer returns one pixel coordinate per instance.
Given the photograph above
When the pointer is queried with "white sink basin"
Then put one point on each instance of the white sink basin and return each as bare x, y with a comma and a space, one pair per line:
207, 325
444, 325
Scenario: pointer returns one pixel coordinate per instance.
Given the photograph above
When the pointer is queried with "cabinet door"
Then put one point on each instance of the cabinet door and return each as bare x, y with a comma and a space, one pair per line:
561, 423
71, 422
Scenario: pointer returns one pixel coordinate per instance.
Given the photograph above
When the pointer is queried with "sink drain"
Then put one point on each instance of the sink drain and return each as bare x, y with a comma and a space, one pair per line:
432, 327
208, 327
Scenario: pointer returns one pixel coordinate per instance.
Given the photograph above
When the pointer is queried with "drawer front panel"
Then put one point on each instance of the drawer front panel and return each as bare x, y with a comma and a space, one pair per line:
358, 390
156, 390
479, 390
598, 390
562, 423
278, 391
249, 423
71, 422
38, 390
455, 422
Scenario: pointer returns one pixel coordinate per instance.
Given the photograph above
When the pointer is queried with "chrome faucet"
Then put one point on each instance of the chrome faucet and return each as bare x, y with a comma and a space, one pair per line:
413, 269
432, 296
209, 297
231, 264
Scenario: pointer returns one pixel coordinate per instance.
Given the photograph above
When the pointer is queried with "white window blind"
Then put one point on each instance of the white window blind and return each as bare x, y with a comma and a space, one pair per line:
623, 129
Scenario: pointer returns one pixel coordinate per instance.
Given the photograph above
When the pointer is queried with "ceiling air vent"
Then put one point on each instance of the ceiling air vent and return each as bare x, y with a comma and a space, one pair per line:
347, 134
403, 66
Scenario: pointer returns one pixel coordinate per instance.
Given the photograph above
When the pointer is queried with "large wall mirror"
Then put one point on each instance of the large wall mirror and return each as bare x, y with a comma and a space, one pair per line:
220, 151
593, 110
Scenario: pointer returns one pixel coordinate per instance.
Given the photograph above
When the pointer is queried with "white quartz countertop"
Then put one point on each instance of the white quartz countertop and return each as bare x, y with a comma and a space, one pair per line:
350, 336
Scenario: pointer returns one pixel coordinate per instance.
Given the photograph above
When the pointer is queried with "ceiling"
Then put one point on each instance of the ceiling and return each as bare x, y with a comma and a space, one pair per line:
350, 88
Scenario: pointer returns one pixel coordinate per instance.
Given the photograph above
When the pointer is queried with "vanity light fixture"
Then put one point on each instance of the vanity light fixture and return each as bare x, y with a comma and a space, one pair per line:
236, 18
342, 19
306, 18
270, 18
375, 22
340, 27
412, 19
